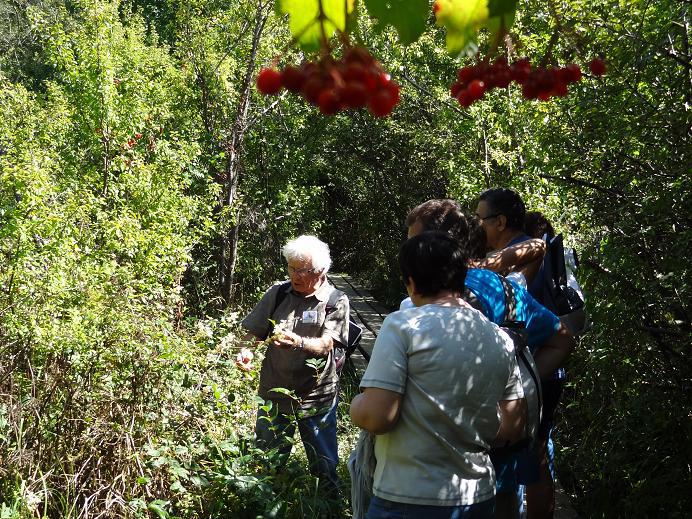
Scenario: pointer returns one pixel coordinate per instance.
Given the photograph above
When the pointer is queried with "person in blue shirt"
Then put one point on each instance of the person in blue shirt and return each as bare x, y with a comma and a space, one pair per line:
502, 214
549, 341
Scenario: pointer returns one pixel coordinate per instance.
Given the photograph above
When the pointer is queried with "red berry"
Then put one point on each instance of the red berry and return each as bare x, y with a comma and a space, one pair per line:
269, 81
467, 74
138, 135
292, 79
544, 95
545, 79
312, 89
464, 99
571, 73
355, 72
597, 67
309, 69
381, 104
520, 70
503, 78
355, 95
358, 55
371, 81
476, 89
383, 79
529, 91
560, 89
490, 80
393, 88
328, 102
501, 62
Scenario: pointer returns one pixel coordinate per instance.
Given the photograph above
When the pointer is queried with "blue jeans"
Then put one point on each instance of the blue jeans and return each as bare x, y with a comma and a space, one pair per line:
385, 509
319, 438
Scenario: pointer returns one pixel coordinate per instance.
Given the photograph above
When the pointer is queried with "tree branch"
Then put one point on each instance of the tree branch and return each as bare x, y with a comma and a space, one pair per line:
582, 183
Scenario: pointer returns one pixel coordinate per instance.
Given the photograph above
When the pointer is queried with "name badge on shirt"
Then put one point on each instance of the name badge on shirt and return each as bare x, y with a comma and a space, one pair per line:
310, 316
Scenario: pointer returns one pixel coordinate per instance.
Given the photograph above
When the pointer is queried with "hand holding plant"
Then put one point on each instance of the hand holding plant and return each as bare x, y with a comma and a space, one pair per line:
244, 359
286, 340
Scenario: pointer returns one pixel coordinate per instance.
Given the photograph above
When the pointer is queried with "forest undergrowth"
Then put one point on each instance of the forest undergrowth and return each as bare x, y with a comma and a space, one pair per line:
172, 437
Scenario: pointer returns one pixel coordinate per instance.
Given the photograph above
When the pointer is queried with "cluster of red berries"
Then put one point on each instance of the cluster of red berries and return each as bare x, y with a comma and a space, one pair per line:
536, 83
132, 141
354, 81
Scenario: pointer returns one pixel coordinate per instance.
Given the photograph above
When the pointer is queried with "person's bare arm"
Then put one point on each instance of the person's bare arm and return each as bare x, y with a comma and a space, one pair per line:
512, 422
524, 257
313, 346
376, 410
251, 340
553, 353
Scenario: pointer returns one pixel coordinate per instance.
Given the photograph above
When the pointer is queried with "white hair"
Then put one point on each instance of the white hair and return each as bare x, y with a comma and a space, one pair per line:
310, 248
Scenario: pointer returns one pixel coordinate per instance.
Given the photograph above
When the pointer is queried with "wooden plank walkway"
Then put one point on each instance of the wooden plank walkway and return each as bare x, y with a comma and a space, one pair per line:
367, 312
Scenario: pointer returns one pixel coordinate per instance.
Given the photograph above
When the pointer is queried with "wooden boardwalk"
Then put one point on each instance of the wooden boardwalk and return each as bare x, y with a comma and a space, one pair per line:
368, 313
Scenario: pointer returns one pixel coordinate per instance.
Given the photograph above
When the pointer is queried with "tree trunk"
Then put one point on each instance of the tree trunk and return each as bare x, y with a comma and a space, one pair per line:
233, 148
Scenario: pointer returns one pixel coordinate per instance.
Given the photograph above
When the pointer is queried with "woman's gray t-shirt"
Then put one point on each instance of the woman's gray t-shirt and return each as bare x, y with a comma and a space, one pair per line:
452, 366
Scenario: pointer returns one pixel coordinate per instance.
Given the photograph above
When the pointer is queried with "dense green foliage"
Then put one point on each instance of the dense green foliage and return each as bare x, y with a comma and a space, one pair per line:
134, 168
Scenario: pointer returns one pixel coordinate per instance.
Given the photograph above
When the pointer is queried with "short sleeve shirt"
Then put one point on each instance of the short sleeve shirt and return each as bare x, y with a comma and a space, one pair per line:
452, 366
314, 385
541, 323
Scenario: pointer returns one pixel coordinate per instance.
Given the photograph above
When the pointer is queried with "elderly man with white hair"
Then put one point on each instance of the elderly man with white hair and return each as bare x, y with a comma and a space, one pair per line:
300, 357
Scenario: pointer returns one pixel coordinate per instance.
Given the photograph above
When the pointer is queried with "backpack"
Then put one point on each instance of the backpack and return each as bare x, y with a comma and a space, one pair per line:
530, 379
552, 290
355, 332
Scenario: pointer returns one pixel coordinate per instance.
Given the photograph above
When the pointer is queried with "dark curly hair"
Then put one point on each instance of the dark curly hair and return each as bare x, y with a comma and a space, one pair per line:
477, 239
435, 261
440, 215
537, 225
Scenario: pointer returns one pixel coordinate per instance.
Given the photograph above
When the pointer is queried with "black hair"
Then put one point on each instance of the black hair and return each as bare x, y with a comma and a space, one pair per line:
435, 261
508, 203
537, 225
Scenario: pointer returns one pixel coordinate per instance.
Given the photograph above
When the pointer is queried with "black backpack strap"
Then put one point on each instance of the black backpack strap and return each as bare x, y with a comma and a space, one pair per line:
511, 320
520, 340
510, 301
473, 300
284, 289
282, 292
557, 256
331, 306
333, 299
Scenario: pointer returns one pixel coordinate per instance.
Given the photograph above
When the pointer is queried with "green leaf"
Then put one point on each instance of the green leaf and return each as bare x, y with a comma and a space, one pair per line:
178, 487
500, 7
308, 25
408, 17
462, 19
494, 25
284, 391
158, 506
